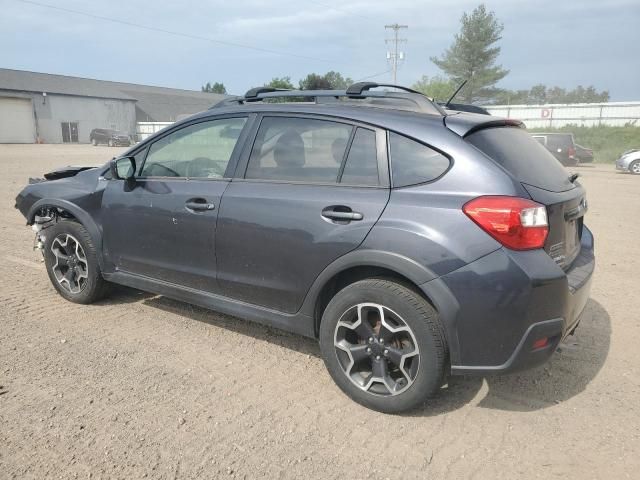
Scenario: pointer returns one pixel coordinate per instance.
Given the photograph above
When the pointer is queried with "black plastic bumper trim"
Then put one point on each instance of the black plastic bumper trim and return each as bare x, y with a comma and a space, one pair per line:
523, 356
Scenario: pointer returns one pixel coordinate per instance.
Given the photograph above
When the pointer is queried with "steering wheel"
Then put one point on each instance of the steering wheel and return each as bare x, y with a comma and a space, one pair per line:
158, 166
200, 165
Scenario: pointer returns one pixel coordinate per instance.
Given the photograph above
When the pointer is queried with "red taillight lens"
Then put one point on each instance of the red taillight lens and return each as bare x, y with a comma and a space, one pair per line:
571, 152
517, 223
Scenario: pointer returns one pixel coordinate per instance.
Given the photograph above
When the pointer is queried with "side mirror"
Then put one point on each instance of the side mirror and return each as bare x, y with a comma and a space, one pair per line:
123, 168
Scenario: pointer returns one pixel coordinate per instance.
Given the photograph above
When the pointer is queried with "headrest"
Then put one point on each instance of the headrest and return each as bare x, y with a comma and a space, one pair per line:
289, 150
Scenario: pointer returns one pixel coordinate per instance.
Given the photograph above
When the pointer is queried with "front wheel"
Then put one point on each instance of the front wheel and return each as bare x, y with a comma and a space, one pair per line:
72, 263
383, 345
635, 167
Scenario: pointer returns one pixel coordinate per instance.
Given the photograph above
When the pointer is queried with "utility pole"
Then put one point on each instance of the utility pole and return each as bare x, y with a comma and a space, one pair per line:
395, 56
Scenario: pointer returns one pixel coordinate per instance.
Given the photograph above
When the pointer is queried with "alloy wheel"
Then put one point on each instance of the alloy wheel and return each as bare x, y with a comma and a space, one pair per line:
635, 168
71, 268
376, 349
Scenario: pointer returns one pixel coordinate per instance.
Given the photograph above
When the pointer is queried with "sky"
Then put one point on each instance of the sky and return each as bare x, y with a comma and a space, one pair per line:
189, 42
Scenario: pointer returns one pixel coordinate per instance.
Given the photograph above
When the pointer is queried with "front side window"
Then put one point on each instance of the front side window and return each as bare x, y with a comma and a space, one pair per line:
299, 149
202, 150
413, 163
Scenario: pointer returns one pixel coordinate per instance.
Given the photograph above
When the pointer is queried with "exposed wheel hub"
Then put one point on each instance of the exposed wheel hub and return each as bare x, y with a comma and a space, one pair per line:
376, 349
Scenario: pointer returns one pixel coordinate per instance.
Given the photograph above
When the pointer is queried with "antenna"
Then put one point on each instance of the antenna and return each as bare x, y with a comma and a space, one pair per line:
456, 92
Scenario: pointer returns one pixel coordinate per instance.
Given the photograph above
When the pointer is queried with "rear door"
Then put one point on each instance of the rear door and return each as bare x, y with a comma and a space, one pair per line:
308, 191
546, 181
164, 225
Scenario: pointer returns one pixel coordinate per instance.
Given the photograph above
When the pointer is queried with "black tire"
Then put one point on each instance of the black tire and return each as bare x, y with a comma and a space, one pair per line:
634, 167
91, 288
417, 314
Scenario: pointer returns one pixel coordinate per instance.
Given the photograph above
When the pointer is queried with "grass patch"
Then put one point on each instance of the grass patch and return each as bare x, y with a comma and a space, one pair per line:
607, 142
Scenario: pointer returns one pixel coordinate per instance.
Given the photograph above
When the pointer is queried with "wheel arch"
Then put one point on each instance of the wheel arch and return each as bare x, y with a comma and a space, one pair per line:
358, 265
78, 214
362, 264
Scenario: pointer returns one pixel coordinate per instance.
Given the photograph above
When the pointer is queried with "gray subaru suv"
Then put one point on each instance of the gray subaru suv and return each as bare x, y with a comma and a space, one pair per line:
413, 241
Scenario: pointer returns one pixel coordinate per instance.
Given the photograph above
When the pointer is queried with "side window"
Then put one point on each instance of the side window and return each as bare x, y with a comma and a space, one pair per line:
413, 163
361, 167
202, 150
298, 149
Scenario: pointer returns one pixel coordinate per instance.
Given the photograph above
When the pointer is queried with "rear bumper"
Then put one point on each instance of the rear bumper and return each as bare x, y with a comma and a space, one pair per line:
508, 300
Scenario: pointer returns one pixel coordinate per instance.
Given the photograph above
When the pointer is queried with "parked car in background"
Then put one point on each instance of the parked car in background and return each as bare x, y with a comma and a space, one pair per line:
629, 161
113, 138
411, 244
561, 145
584, 154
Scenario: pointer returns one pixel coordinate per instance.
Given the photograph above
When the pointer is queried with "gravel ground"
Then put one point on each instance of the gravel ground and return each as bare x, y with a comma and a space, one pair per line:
143, 386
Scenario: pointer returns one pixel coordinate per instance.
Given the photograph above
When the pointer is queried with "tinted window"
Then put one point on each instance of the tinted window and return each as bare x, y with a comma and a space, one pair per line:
298, 149
559, 141
361, 167
413, 163
202, 150
527, 160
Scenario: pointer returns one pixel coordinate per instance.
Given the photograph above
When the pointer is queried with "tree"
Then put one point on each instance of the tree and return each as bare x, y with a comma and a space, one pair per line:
473, 54
280, 82
437, 87
541, 94
217, 87
329, 81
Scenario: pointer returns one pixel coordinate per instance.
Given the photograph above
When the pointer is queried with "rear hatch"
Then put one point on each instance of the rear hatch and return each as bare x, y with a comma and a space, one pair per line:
546, 181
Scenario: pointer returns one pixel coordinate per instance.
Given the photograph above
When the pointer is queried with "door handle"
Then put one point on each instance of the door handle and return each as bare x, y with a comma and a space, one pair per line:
199, 205
341, 213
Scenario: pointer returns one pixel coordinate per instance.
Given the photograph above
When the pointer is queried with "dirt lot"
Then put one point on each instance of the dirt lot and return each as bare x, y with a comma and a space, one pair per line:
142, 386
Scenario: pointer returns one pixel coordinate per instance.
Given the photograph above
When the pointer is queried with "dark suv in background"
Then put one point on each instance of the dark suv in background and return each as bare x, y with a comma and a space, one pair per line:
413, 242
113, 138
562, 146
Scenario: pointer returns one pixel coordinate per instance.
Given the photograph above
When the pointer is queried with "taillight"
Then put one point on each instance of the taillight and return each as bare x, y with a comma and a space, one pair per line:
517, 223
571, 152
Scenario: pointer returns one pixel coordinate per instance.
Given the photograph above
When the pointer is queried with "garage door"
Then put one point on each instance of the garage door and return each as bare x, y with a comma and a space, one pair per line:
16, 121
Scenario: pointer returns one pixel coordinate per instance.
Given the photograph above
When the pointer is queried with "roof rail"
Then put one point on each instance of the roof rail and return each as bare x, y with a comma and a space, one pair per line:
254, 92
408, 99
357, 88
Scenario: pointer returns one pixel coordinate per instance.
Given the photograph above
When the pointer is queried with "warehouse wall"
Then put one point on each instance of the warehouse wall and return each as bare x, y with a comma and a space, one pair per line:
614, 114
88, 112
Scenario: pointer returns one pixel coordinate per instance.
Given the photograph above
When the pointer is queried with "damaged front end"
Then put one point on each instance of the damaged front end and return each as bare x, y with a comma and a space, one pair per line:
46, 217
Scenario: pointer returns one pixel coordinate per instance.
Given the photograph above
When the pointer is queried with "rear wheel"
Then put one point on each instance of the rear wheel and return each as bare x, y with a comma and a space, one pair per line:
72, 263
383, 345
635, 167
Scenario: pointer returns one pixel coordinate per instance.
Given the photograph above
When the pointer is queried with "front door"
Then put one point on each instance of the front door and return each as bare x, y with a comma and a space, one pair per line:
312, 191
164, 225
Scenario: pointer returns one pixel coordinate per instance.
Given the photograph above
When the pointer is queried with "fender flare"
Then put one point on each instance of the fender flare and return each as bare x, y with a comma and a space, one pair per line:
399, 264
83, 217
423, 278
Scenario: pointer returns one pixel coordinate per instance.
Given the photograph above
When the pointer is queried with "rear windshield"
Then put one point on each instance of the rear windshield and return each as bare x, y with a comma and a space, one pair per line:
522, 156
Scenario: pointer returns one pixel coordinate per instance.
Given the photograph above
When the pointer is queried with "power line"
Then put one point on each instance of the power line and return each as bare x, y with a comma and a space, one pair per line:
176, 33
395, 56
374, 75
